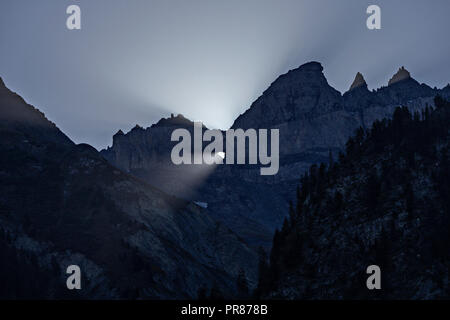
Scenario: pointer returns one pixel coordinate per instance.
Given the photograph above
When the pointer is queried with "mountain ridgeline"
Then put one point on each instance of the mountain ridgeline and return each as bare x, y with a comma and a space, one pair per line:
141, 227
384, 201
312, 117
63, 204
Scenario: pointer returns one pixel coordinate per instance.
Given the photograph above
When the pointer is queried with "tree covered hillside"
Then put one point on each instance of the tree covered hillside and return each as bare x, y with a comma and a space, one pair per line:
385, 201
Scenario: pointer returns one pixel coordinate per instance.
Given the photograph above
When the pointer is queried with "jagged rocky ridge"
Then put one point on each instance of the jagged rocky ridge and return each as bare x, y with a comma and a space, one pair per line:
63, 204
358, 82
313, 118
385, 202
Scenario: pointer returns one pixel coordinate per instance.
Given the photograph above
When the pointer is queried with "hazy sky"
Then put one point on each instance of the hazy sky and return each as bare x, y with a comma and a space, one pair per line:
135, 61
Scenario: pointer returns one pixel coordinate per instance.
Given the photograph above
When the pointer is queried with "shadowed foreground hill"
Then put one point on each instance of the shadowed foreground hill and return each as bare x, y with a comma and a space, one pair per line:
385, 202
63, 204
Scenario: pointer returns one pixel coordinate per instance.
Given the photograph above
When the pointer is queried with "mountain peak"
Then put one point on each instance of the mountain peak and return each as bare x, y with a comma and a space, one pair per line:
178, 120
309, 67
310, 70
137, 127
402, 74
300, 93
2, 84
312, 65
119, 133
358, 82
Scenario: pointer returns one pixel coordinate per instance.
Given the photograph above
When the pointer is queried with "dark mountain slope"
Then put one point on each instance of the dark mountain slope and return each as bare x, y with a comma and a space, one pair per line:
62, 204
385, 202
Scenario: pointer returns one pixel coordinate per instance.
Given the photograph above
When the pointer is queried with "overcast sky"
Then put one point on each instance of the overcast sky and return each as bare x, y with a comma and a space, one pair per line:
135, 61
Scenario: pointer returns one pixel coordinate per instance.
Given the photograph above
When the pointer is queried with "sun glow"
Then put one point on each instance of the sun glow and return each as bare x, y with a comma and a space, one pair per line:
221, 154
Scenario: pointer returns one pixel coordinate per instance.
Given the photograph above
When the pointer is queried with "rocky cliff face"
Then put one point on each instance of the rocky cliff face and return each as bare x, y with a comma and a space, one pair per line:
313, 119
146, 154
303, 93
63, 204
312, 115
